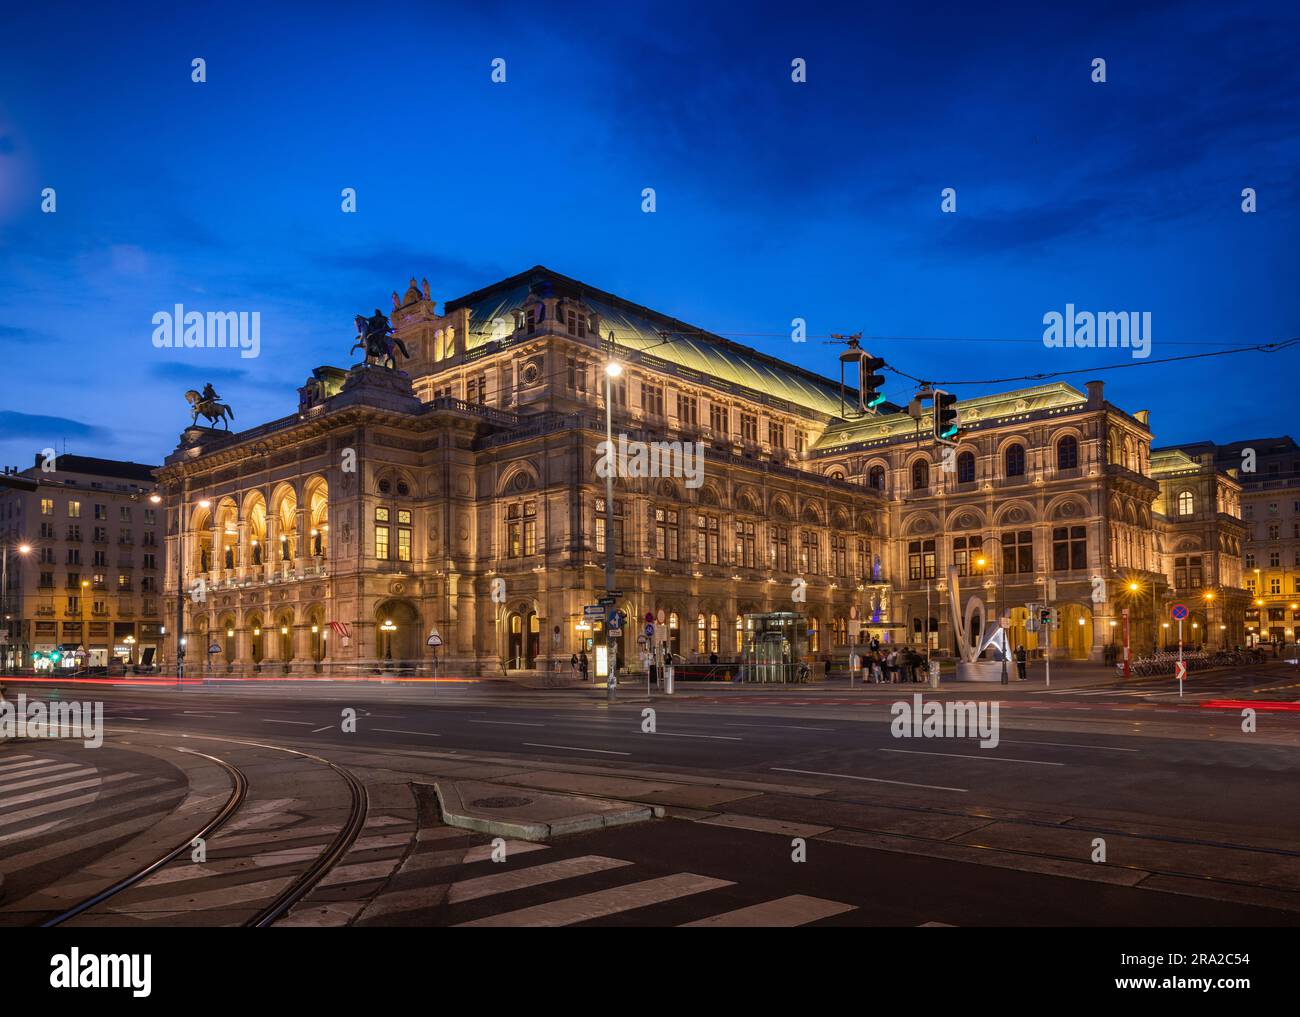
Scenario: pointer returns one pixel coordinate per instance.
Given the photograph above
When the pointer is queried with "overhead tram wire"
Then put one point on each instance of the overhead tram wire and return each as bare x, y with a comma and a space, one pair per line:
1275, 347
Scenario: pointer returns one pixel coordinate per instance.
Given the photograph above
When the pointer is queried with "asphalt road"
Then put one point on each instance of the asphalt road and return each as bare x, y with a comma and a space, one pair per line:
1211, 800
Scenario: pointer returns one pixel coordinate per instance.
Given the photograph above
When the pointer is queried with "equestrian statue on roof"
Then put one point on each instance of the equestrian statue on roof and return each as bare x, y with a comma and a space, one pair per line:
376, 336
209, 405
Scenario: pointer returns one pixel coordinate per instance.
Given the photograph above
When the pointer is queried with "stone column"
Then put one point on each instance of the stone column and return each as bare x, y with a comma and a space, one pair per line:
271, 552
301, 551
243, 552
302, 647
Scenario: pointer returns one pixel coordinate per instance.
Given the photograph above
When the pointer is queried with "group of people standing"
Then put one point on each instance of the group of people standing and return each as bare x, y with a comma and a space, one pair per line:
893, 665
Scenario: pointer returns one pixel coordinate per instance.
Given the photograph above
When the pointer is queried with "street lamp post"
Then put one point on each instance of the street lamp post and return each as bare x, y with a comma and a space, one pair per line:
983, 562
612, 370
85, 625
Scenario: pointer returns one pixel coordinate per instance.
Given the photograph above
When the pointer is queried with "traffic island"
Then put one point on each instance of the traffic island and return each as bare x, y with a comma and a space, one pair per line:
524, 814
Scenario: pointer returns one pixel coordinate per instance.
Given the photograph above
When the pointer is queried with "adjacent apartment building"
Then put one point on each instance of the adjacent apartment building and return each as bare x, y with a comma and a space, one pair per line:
83, 544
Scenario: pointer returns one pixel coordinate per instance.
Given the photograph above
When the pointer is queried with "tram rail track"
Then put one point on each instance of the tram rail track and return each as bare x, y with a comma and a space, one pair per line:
298, 888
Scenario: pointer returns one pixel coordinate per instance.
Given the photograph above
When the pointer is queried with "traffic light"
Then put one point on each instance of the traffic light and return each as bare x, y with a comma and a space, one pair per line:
946, 422
869, 382
1045, 617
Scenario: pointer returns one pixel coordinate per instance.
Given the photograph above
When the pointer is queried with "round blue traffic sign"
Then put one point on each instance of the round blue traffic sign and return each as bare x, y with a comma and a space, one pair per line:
1178, 612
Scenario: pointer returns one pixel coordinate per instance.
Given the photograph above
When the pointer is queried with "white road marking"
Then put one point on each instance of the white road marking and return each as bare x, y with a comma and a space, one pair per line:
507, 723
785, 913
297, 723
1069, 745
48, 778
873, 780
398, 730
721, 738
318, 730
958, 755
785, 727
605, 902
575, 748
534, 875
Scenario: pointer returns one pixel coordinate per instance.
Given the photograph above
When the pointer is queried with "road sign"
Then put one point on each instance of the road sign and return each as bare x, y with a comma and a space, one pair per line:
214, 648
1178, 612
434, 639
612, 619
1180, 670
593, 611
649, 630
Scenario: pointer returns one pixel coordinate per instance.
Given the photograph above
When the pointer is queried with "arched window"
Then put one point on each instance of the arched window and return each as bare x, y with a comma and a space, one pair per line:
814, 636
1015, 461
1067, 453
740, 634
966, 468
876, 478
920, 475
699, 634
1186, 503
713, 633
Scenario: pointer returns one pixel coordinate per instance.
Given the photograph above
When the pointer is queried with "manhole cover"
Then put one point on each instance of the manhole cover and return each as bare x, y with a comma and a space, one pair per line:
501, 802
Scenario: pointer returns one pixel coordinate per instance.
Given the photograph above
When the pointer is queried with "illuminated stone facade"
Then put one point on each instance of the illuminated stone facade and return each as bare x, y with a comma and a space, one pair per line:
397, 508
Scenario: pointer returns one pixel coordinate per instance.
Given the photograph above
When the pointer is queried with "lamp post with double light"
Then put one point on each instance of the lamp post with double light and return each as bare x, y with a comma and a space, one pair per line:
612, 370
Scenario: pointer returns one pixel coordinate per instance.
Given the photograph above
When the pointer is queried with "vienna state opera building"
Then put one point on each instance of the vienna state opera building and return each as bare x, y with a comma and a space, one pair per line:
456, 502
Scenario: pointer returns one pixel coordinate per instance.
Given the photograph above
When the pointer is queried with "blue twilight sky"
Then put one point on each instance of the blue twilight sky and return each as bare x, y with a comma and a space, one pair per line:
775, 200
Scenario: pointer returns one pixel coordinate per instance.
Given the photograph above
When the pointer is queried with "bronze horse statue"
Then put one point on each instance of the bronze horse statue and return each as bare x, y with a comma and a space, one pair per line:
375, 336
210, 409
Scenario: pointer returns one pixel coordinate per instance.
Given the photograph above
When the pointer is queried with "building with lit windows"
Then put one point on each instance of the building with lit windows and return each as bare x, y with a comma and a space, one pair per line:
83, 538
461, 498
1268, 472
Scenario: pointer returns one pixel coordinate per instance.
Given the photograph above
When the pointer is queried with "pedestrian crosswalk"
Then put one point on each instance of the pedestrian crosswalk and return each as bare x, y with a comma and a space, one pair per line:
54, 810
515, 883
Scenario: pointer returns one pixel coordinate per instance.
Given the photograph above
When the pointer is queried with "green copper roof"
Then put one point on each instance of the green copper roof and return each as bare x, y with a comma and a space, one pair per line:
1001, 404
639, 328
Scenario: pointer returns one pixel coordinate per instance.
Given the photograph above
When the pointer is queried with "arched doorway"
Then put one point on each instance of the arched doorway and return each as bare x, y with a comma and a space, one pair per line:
1018, 634
283, 638
317, 641
399, 637
256, 641
523, 638
226, 632
1074, 637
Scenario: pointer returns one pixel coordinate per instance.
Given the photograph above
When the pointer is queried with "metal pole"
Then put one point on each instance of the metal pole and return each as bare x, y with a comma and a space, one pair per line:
4, 602
610, 657
1001, 628
1180, 657
180, 584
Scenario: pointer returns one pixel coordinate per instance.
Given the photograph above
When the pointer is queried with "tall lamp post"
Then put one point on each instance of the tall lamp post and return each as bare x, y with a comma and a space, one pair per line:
612, 370
85, 625
22, 549
982, 563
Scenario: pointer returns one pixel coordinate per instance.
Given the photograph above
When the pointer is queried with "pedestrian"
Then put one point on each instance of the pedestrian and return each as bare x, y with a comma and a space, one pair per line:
876, 675
573, 663
713, 659
891, 666
582, 665
1021, 658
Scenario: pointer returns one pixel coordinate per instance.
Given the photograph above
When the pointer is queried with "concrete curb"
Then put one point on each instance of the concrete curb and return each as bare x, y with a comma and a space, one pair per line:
584, 814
